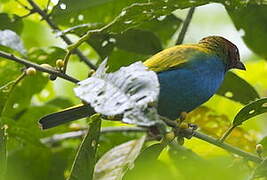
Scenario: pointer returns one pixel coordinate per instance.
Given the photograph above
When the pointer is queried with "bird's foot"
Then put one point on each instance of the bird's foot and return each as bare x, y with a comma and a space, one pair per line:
183, 116
186, 130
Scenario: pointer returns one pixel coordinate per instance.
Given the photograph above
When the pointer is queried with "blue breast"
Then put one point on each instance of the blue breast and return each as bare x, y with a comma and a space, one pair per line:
185, 88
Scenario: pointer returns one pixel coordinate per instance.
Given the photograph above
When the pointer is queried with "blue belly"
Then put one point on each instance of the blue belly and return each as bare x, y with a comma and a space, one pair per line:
185, 88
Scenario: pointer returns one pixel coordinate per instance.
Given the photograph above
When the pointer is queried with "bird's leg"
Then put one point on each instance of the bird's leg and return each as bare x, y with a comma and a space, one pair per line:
186, 129
183, 116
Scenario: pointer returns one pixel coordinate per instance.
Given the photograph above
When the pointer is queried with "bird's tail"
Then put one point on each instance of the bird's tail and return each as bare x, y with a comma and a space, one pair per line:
66, 115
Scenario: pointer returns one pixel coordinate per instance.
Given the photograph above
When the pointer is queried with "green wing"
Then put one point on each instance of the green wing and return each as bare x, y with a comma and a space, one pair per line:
173, 57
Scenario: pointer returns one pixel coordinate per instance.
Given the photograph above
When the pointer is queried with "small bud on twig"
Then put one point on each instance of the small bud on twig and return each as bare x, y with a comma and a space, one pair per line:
60, 63
169, 136
30, 71
184, 125
259, 149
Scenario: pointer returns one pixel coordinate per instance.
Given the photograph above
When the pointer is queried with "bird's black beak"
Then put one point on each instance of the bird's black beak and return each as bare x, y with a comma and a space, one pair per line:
240, 65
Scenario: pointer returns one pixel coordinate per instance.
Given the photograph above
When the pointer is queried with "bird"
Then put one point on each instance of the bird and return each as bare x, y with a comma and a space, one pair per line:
188, 74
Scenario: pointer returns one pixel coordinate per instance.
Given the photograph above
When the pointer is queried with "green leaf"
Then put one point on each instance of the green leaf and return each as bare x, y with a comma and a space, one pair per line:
250, 19
4, 94
147, 158
81, 11
119, 58
237, 89
138, 41
8, 71
21, 96
118, 160
3, 151
139, 13
164, 27
84, 163
46, 55
261, 170
134, 40
11, 22
263, 142
251, 110
60, 102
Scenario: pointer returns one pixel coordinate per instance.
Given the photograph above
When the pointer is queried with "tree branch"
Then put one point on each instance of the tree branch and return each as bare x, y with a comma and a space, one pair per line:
185, 26
63, 36
38, 67
190, 132
77, 134
226, 146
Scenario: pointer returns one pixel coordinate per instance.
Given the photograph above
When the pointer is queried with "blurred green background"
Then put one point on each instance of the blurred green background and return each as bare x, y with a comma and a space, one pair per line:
29, 158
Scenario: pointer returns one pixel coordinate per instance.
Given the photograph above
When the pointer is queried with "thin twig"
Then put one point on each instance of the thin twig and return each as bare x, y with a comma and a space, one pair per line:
214, 141
63, 36
23, 5
77, 134
37, 67
227, 147
196, 134
185, 26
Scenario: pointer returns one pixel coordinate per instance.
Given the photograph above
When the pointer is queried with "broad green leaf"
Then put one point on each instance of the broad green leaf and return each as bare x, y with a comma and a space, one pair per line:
146, 39
9, 71
192, 166
263, 142
119, 58
251, 110
261, 170
109, 140
84, 163
250, 19
11, 22
237, 89
29, 162
136, 41
3, 151
139, 13
60, 102
47, 55
4, 94
118, 160
215, 125
164, 27
27, 121
11, 40
147, 158
70, 13
24, 134
20, 98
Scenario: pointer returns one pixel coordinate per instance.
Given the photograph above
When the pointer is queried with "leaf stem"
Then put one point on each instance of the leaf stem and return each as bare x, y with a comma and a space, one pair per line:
185, 26
53, 26
227, 133
74, 46
37, 67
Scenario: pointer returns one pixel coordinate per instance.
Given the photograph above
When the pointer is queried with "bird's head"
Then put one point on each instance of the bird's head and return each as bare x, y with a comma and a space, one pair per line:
225, 49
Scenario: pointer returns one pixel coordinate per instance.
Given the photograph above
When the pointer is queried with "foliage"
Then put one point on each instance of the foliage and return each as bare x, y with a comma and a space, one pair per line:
125, 31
